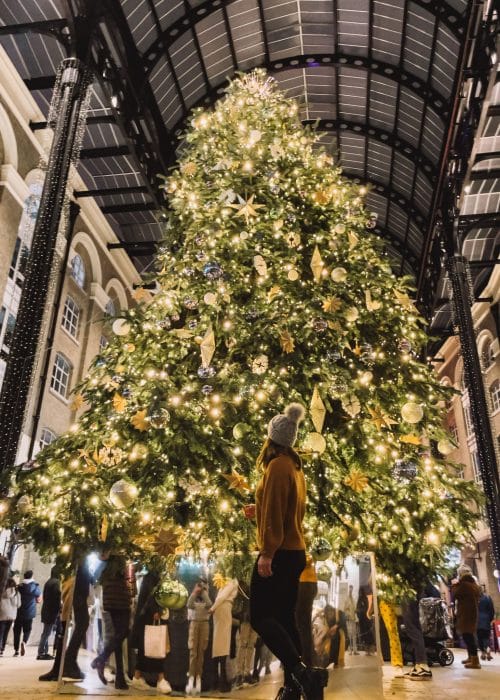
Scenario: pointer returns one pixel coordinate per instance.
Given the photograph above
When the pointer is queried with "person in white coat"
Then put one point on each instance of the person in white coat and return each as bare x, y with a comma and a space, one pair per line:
221, 642
9, 602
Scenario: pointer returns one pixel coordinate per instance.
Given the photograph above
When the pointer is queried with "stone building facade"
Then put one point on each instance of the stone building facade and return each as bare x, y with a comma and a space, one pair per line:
97, 283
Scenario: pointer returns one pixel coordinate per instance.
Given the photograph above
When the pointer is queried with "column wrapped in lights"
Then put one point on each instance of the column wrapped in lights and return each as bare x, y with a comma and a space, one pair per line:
461, 304
67, 118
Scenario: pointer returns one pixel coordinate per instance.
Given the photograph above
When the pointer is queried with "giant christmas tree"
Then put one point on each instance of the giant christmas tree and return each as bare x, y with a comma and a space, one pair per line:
276, 292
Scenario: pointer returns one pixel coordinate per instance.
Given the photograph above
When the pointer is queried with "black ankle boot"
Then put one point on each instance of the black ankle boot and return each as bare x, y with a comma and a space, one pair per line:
311, 680
121, 683
288, 692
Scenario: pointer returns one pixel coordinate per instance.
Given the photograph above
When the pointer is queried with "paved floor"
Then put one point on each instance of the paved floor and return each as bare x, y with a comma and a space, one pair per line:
362, 679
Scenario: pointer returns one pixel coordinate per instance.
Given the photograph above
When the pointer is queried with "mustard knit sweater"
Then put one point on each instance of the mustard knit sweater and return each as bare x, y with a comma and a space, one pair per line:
280, 501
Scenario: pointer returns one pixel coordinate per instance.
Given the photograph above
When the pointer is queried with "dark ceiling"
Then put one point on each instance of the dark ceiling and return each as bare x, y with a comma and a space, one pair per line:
380, 77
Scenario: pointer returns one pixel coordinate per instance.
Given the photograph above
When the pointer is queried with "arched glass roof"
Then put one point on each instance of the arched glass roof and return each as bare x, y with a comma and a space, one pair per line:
378, 76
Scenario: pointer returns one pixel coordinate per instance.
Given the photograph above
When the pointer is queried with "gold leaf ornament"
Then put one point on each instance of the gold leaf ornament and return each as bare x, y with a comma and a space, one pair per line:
317, 410
119, 403
410, 439
139, 421
273, 292
287, 342
77, 402
356, 480
353, 240
219, 580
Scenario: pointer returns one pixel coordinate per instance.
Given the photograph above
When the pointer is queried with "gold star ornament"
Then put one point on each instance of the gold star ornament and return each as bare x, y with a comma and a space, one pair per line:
246, 207
380, 418
237, 482
166, 542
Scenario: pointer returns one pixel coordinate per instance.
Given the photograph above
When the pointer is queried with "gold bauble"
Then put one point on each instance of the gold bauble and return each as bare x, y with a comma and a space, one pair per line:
315, 442
412, 412
339, 274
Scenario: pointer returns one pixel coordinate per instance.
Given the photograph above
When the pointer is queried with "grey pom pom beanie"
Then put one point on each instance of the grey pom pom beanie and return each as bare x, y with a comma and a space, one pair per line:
464, 570
283, 428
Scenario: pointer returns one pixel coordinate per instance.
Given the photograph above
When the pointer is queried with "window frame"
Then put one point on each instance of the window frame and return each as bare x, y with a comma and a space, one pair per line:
61, 376
43, 443
70, 320
494, 390
78, 272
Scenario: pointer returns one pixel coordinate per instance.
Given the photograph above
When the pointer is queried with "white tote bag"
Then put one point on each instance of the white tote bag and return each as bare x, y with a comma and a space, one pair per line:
156, 641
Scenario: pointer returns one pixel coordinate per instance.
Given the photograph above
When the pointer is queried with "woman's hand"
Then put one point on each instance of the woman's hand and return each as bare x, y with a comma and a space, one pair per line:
156, 616
264, 566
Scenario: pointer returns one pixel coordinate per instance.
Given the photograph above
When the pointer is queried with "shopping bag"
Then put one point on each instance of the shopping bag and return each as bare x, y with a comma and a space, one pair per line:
156, 641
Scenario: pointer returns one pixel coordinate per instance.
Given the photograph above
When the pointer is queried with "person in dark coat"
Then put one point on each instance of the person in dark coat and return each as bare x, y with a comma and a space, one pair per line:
30, 592
467, 593
148, 612
117, 595
486, 613
51, 607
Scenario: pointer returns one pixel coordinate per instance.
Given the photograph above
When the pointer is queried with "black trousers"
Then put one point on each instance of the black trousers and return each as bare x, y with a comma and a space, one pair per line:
25, 625
272, 606
307, 593
81, 623
121, 623
483, 639
5, 626
470, 643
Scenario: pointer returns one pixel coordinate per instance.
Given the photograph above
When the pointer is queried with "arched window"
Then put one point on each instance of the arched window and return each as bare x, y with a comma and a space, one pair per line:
46, 437
78, 270
61, 375
488, 355
71, 316
495, 395
110, 308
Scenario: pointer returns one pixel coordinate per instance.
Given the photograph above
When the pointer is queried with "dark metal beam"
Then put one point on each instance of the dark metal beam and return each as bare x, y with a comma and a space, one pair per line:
480, 157
97, 119
43, 82
493, 174
104, 152
110, 191
51, 27
129, 208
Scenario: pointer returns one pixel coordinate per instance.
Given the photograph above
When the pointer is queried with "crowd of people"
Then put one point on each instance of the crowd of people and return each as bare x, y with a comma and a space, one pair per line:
275, 615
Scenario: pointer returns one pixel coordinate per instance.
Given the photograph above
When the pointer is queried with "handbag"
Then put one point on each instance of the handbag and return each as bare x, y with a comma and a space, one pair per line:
156, 641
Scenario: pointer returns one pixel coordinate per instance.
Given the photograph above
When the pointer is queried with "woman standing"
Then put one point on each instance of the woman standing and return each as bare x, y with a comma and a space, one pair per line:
221, 643
9, 601
148, 612
467, 594
279, 510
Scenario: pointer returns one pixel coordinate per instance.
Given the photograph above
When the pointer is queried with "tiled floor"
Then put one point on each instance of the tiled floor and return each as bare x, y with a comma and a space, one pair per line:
362, 679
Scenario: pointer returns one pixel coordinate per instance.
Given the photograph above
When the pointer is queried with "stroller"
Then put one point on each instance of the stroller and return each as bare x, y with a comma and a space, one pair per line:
433, 617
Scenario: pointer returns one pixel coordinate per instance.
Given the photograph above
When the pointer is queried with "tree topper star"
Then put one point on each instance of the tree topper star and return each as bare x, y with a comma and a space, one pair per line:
246, 208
